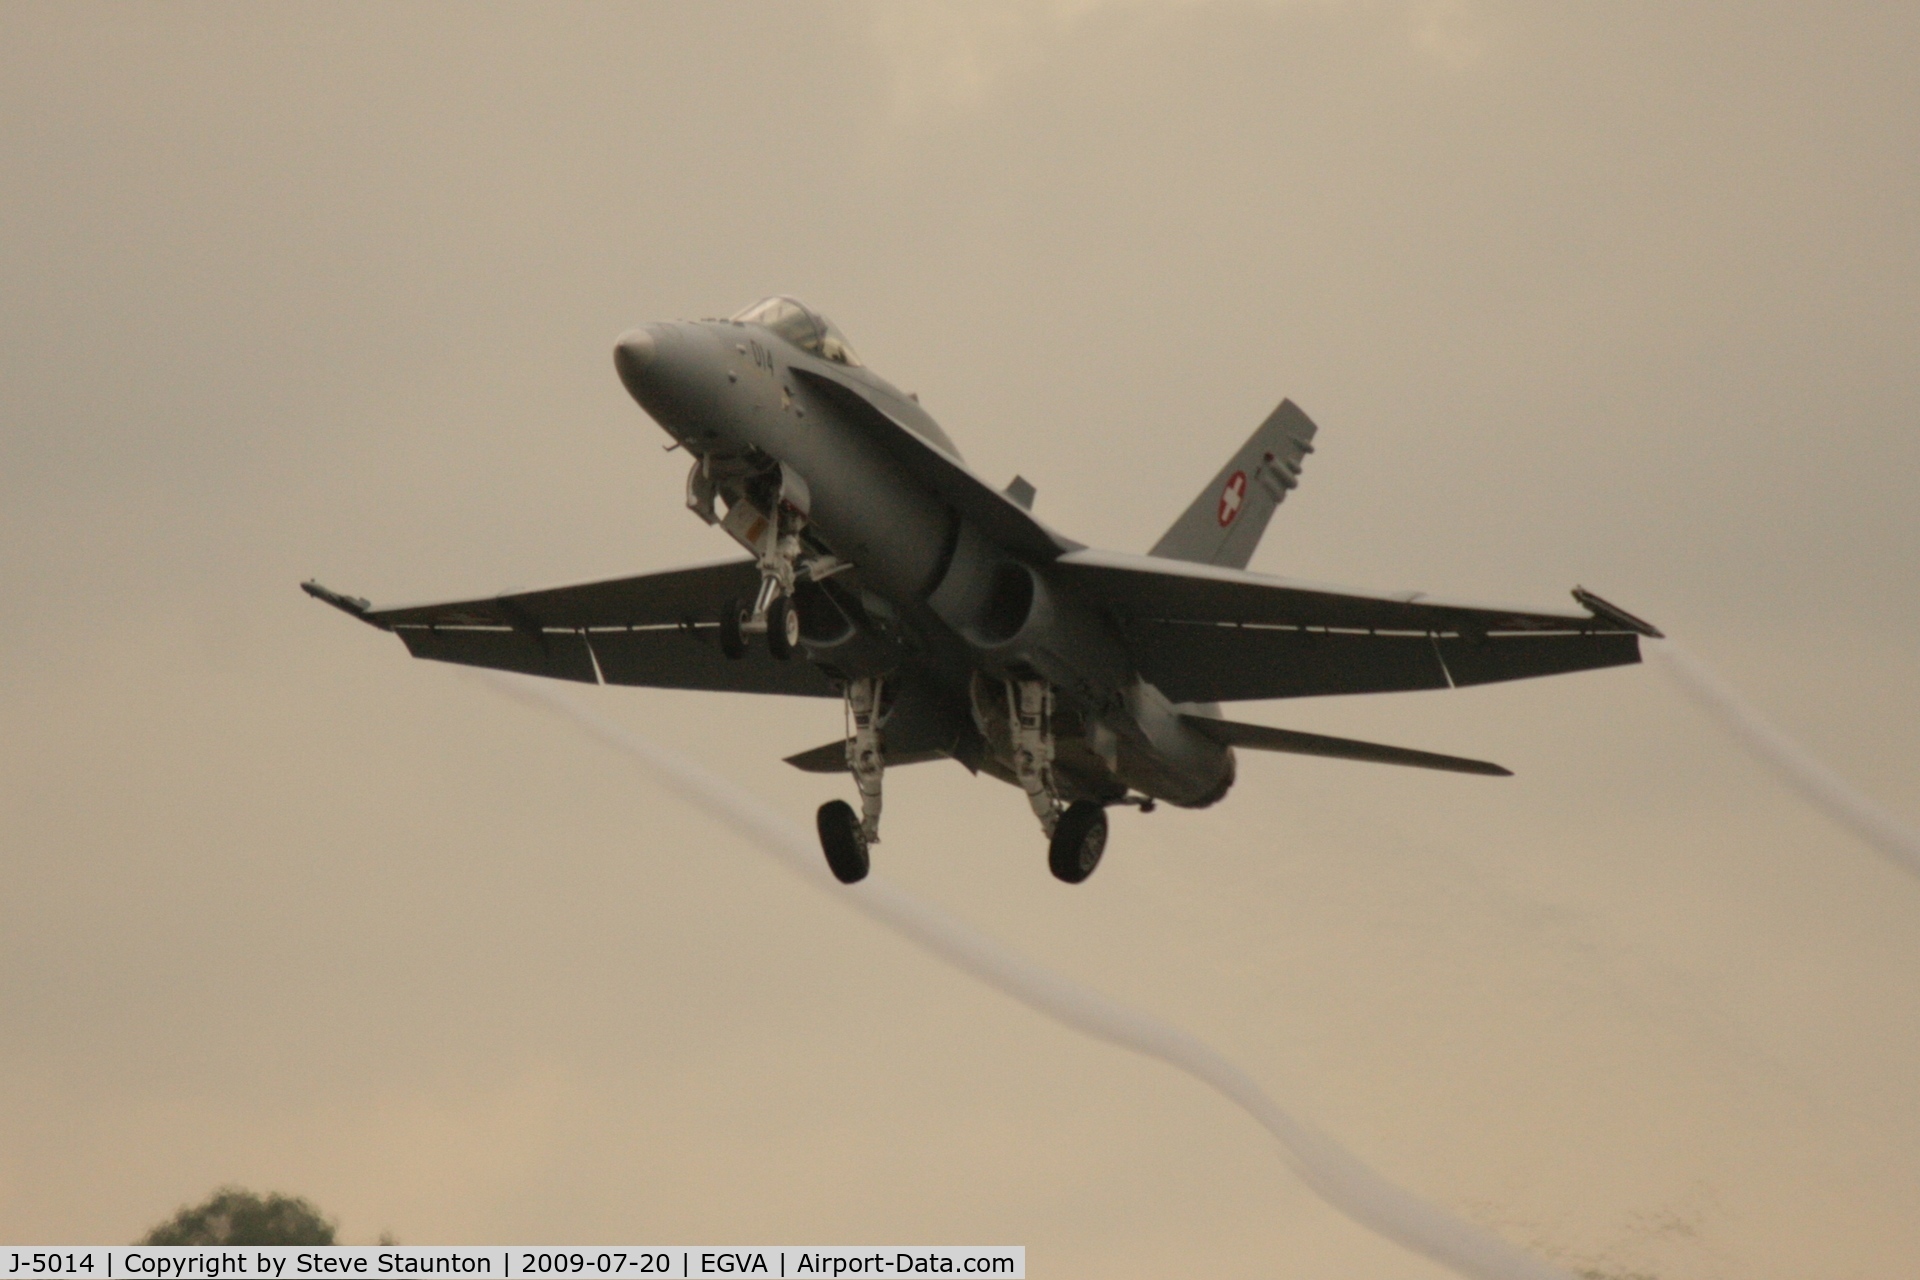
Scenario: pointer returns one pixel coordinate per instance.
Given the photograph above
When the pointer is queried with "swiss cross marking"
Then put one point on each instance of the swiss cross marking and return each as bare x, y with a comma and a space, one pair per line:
1233, 497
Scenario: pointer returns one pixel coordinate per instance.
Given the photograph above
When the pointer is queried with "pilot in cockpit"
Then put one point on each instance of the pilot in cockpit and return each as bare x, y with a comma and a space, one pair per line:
804, 328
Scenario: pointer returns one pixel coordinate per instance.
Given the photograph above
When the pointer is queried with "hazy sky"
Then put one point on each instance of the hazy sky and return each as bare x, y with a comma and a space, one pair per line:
1625, 295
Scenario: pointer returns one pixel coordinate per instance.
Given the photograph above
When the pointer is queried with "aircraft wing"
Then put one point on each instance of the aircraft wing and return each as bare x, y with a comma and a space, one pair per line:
1003, 520
1200, 633
658, 629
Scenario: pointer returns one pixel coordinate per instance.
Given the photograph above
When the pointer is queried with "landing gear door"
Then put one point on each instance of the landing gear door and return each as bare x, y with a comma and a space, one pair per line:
794, 494
701, 491
749, 525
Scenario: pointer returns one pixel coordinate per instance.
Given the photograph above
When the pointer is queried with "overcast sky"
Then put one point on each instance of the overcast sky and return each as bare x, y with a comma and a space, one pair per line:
1625, 295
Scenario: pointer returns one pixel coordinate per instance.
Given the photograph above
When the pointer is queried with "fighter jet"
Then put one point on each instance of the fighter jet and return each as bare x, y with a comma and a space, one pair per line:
955, 624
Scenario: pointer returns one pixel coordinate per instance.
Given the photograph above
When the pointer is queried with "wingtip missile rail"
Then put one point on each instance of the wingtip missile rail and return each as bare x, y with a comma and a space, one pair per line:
352, 605
1607, 611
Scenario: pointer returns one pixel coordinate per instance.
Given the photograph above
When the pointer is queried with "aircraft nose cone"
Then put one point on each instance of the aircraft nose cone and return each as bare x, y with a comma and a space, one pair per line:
631, 356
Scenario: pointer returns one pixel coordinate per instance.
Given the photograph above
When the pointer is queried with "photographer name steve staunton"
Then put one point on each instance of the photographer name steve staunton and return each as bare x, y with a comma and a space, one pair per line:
501, 1262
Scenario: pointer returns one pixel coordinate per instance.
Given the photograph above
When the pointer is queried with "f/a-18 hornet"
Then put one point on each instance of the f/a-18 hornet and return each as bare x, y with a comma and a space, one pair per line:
953, 623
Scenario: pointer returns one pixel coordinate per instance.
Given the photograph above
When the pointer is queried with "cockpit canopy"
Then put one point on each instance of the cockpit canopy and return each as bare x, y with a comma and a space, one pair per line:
804, 328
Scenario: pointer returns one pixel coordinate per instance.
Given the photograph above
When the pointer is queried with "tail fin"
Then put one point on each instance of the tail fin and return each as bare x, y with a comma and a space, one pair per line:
1225, 522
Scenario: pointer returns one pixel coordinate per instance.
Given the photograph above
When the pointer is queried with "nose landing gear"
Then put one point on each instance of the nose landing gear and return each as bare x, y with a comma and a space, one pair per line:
766, 514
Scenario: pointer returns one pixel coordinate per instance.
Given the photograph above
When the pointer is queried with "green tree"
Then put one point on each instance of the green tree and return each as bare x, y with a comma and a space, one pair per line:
234, 1215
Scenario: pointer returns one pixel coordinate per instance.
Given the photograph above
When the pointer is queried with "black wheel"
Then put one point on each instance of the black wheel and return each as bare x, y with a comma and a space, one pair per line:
783, 628
732, 642
843, 842
1079, 838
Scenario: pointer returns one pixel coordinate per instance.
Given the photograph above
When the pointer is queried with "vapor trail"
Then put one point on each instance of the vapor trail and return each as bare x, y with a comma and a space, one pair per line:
1828, 791
1332, 1171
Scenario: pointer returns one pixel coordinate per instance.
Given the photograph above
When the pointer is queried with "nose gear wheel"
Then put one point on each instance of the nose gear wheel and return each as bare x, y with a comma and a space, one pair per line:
733, 639
783, 628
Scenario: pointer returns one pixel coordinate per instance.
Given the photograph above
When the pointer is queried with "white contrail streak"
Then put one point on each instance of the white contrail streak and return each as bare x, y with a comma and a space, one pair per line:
1329, 1169
1828, 791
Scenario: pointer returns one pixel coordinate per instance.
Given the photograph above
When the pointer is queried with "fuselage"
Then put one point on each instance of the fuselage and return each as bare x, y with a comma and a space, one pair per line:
908, 587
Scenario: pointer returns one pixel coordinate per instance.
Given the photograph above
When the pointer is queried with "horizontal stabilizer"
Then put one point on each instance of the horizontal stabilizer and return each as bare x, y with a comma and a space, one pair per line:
1259, 737
832, 758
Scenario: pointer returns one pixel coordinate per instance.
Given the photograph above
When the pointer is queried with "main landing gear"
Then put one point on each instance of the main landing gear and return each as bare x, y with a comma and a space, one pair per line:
1077, 832
843, 837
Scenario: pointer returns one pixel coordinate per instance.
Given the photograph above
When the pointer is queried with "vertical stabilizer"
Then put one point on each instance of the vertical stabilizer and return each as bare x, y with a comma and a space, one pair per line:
1224, 524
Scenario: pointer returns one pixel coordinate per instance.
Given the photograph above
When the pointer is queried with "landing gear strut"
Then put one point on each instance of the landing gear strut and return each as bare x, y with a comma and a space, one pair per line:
1077, 832
865, 759
1030, 726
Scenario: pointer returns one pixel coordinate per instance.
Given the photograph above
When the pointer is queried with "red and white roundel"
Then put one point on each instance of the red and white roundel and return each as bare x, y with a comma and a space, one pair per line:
1233, 497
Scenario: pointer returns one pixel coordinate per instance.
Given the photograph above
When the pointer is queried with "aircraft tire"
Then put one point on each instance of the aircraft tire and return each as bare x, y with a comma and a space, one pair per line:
733, 642
783, 628
841, 840
1079, 838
